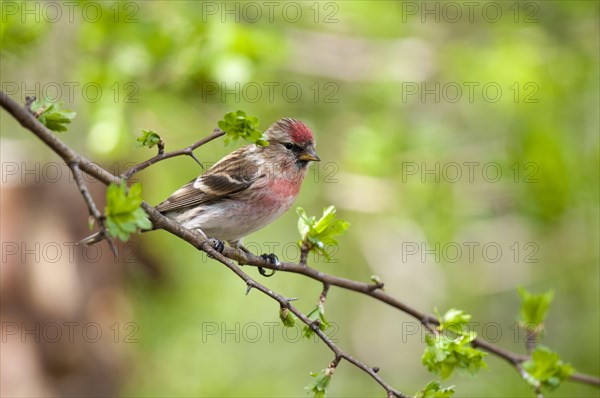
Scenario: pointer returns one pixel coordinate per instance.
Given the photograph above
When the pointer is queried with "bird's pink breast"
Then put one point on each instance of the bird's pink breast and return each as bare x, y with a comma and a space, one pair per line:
286, 187
280, 194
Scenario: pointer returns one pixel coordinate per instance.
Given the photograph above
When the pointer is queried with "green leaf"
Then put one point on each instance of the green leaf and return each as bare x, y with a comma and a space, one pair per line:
317, 313
148, 138
51, 116
433, 390
124, 214
287, 317
444, 354
238, 125
322, 232
534, 307
321, 381
303, 222
546, 369
454, 321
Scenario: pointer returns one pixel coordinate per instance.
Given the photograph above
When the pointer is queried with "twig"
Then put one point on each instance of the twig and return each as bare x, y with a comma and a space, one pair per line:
323, 295
304, 250
585, 378
94, 212
531, 340
189, 151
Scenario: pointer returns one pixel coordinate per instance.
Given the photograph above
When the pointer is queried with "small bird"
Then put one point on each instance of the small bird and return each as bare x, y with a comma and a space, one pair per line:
247, 189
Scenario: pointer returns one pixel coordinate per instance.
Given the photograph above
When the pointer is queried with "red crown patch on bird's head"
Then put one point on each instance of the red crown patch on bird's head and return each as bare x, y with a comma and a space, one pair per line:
299, 132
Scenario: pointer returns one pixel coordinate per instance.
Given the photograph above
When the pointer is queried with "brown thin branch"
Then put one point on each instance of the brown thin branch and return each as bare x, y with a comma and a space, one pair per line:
304, 250
189, 151
531, 340
323, 295
93, 209
332, 280
27, 120
586, 379
200, 242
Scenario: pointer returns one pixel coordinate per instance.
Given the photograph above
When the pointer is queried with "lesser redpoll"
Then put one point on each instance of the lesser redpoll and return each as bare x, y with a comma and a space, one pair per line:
247, 189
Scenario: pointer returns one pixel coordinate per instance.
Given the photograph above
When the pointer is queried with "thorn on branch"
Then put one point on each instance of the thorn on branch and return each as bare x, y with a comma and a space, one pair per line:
161, 147
249, 286
376, 369
190, 153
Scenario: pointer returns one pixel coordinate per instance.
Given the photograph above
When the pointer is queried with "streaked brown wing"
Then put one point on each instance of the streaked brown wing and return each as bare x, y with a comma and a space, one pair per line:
185, 196
224, 179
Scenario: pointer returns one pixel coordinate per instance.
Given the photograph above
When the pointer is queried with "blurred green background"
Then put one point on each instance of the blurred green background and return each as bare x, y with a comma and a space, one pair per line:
441, 126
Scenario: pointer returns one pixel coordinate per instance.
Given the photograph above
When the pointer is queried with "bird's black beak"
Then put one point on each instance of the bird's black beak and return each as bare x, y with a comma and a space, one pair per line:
309, 154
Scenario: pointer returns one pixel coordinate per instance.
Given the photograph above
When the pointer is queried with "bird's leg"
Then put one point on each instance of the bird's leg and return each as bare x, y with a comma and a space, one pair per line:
217, 244
270, 258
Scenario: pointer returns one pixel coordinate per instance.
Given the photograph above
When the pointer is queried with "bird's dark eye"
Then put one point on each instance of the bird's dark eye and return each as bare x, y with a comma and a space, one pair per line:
288, 146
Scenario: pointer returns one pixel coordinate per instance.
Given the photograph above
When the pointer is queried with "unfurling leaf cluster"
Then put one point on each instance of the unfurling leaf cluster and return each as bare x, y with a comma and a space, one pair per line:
534, 307
434, 390
149, 138
444, 354
318, 386
287, 318
51, 116
238, 125
454, 321
124, 214
317, 234
546, 369
449, 348
318, 313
